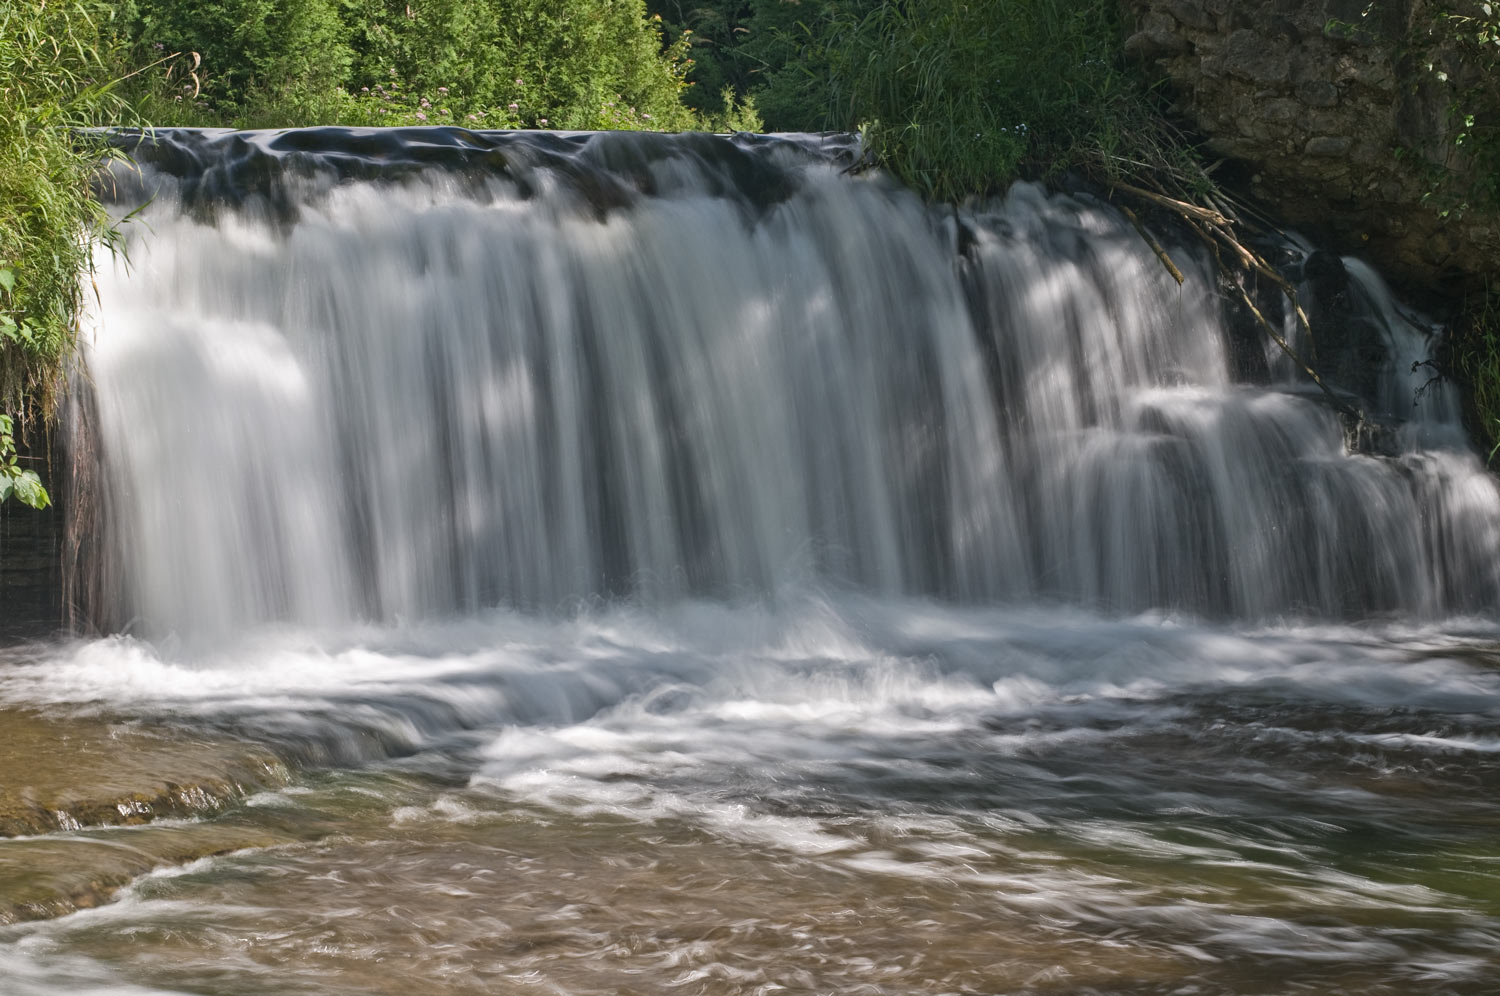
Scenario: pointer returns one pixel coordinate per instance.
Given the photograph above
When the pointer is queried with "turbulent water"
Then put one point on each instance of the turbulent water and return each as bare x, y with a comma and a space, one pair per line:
682, 565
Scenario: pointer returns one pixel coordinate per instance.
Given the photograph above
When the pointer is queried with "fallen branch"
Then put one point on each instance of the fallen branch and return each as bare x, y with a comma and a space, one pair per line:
1286, 347
1156, 247
1213, 228
1254, 261
1183, 208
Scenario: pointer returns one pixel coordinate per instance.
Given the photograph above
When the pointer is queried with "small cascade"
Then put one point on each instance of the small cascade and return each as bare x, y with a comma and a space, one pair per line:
375, 375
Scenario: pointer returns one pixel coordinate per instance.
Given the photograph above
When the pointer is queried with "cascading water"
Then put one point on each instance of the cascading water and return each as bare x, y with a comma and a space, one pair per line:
416, 399
625, 563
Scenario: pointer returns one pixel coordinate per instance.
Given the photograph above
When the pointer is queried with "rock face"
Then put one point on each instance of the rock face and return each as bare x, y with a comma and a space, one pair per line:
1343, 127
31, 552
30, 570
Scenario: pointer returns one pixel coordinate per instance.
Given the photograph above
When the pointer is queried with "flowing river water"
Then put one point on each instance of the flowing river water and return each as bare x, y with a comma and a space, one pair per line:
608, 564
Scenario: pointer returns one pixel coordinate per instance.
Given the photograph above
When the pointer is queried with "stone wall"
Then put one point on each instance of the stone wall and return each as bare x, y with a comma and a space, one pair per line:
31, 547
30, 570
1340, 130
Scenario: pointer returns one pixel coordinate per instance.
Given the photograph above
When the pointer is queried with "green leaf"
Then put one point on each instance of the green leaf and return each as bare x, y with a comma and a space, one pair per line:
29, 491
8, 281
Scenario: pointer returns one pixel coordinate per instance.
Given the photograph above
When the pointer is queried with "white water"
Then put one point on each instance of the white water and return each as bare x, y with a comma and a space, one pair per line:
412, 403
1243, 812
718, 597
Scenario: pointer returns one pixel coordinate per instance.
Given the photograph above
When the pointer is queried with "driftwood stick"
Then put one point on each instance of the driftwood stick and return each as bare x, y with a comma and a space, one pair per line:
1212, 228
1254, 261
1156, 247
1183, 208
1286, 348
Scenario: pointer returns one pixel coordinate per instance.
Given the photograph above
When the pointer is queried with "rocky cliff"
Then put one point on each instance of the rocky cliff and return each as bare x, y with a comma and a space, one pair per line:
1340, 112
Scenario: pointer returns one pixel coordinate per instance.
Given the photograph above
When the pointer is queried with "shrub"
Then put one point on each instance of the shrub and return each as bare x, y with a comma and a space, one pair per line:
570, 64
253, 52
772, 53
960, 98
54, 79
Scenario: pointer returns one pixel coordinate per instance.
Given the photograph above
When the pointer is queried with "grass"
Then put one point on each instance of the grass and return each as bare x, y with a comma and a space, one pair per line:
959, 98
54, 78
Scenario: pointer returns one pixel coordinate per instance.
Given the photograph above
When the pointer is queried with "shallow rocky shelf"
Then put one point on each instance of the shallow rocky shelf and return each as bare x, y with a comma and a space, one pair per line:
62, 772
76, 792
43, 877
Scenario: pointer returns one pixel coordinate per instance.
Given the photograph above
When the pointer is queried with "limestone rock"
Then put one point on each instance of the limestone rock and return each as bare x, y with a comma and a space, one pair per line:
1322, 102
1328, 145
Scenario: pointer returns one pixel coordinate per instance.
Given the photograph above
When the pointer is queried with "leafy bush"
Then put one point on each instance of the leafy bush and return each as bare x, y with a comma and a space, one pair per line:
773, 53
572, 64
954, 96
569, 64
252, 51
15, 480
1457, 45
961, 98
54, 78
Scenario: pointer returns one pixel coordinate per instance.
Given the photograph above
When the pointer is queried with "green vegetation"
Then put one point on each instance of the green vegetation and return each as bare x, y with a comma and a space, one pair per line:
16, 480
569, 64
55, 61
955, 97
1476, 339
1457, 47
777, 54
573, 64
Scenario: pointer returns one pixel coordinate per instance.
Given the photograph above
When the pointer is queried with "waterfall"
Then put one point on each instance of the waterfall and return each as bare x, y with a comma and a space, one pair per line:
363, 375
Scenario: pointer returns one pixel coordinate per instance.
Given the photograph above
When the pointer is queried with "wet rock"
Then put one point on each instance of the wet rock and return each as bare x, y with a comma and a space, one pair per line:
213, 168
45, 877
61, 772
1281, 110
72, 786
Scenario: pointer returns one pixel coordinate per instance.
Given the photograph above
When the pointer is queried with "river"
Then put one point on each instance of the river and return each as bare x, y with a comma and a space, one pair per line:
655, 565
